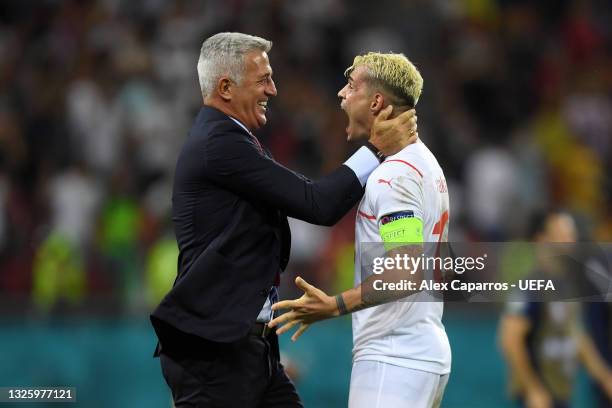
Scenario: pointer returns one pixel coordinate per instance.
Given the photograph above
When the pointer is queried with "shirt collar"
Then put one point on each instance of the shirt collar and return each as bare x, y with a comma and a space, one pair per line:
241, 125
259, 146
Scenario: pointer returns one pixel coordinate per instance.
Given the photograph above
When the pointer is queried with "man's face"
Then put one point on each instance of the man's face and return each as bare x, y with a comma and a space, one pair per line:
356, 99
560, 228
250, 99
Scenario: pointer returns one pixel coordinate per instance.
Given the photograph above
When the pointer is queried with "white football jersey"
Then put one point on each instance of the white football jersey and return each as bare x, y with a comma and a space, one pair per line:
407, 333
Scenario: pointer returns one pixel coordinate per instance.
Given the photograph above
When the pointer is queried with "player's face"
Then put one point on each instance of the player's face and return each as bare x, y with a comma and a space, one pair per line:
560, 228
250, 97
355, 100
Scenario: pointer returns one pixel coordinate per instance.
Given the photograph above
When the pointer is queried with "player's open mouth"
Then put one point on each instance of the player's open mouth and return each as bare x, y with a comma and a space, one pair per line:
263, 105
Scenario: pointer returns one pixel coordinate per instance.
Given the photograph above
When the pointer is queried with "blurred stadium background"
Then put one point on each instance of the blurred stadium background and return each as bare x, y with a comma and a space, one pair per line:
96, 98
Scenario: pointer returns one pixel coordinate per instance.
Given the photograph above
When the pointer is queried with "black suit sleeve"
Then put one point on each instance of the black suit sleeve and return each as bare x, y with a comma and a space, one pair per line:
233, 161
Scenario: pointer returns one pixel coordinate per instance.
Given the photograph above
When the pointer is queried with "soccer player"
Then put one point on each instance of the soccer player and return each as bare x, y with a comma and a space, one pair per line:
544, 341
401, 354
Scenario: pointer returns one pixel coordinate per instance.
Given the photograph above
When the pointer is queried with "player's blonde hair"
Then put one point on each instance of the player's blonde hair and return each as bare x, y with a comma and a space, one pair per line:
394, 73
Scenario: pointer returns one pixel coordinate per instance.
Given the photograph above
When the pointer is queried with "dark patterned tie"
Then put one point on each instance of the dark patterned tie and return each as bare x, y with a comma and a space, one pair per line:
259, 146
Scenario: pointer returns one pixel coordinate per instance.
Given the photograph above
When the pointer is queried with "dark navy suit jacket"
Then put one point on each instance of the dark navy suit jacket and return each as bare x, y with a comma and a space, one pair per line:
230, 204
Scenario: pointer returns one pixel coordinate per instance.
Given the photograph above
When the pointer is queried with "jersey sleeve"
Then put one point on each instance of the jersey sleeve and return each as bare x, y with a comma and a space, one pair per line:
398, 199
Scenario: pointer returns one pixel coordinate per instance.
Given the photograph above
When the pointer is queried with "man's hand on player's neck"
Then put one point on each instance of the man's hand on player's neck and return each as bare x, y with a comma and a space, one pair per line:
390, 135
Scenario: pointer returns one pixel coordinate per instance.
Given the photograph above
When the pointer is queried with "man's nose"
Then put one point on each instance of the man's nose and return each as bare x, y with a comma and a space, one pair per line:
341, 93
271, 88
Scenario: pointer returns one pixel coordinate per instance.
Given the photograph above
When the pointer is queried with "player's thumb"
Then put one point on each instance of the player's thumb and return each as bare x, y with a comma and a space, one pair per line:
302, 284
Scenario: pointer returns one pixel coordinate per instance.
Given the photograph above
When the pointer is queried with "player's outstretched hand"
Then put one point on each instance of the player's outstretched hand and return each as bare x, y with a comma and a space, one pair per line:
392, 135
314, 305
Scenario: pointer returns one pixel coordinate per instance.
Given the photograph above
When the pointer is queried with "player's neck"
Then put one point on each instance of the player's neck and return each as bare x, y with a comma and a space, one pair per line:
398, 110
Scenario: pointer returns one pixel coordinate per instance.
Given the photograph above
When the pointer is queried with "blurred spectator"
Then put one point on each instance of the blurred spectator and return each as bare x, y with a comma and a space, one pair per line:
598, 316
160, 273
94, 117
543, 341
4, 186
74, 198
59, 276
492, 191
118, 238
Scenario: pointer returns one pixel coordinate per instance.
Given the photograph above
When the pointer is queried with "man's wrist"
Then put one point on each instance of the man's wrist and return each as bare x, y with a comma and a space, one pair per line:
342, 310
379, 155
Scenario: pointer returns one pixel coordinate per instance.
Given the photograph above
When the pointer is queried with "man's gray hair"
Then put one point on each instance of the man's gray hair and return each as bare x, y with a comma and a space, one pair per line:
223, 54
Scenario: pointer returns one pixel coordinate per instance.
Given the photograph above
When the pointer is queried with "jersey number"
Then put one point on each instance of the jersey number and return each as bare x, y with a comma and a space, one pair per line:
440, 229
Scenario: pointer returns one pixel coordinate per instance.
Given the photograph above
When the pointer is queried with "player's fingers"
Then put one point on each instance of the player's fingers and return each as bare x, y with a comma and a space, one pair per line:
409, 123
413, 124
286, 327
282, 318
408, 116
411, 138
285, 304
302, 284
384, 114
299, 331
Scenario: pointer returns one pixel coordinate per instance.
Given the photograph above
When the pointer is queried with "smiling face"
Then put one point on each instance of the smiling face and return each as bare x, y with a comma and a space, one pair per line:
358, 102
249, 99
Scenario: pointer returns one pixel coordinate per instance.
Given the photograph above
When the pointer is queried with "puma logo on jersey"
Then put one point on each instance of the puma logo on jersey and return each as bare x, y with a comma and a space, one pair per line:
383, 181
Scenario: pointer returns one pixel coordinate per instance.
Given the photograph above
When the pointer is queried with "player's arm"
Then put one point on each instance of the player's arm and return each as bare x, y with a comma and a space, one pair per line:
594, 363
401, 236
315, 305
398, 210
513, 340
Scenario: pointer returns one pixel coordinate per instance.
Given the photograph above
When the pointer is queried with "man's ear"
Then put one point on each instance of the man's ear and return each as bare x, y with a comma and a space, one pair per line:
224, 88
377, 104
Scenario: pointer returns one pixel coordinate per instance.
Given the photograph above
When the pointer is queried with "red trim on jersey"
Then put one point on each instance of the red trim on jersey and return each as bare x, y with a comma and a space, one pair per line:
439, 227
369, 217
406, 163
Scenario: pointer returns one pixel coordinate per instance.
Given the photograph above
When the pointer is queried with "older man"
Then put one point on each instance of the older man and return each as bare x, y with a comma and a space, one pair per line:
230, 206
401, 354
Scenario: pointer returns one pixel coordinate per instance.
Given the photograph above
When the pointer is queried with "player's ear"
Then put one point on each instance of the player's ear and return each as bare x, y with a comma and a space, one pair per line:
377, 104
224, 88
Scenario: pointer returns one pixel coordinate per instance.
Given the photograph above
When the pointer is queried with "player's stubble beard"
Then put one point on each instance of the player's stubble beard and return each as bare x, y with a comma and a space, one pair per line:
359, 131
